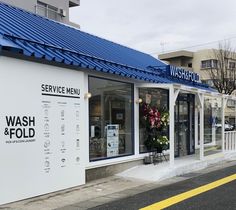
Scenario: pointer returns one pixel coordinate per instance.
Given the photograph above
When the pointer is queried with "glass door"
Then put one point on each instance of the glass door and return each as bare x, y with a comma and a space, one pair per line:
184, 125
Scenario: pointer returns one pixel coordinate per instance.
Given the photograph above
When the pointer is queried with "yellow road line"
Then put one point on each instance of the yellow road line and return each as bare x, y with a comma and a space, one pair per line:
186, 195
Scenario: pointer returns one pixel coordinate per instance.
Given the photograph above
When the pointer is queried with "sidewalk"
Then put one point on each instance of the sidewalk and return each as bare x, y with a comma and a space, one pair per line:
135, 180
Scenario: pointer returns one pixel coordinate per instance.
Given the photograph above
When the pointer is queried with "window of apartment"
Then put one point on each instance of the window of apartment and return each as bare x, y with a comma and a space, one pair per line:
211, 63
110, 119
232, 65
47, 11
231, 103
41, 9
53, 13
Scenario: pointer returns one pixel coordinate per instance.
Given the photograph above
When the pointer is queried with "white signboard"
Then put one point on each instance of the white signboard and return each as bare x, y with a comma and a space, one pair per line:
112, 140
40, 129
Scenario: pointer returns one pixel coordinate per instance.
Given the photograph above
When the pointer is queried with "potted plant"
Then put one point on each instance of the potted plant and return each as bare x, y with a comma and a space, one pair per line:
160, 143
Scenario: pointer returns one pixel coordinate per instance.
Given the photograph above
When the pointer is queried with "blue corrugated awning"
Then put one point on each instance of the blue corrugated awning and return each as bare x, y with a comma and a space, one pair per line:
31, 35
69, 57
6, 43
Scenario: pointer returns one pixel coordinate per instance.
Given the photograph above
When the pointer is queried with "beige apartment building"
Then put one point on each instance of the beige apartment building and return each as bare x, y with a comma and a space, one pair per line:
201, 62
57, 10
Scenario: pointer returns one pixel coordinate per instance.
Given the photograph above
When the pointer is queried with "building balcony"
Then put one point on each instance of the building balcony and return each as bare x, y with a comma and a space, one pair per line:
49, 12
74, 3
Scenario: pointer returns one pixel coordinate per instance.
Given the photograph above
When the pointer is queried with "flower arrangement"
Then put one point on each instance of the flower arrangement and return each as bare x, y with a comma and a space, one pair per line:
155, 121
153, 117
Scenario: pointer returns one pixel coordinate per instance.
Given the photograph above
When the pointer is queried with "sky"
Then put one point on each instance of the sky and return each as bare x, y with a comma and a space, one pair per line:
159, 26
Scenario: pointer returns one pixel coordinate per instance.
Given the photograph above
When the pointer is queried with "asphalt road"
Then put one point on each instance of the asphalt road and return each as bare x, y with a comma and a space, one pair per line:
220, 198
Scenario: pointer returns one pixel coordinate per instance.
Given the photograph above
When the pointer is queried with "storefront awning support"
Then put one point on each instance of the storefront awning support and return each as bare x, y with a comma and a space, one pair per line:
224, 103
200, 101
176, 93
173, 94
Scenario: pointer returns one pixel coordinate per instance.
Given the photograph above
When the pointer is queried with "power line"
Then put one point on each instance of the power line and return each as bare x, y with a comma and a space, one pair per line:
198, 45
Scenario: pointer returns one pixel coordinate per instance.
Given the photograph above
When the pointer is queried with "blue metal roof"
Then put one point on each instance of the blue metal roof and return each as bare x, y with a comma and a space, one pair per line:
39, 37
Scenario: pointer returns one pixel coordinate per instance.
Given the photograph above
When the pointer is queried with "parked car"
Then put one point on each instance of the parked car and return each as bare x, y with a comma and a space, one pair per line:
228, 126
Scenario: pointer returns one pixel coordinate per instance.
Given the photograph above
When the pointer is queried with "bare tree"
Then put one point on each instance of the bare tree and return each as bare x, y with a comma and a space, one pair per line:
223, 73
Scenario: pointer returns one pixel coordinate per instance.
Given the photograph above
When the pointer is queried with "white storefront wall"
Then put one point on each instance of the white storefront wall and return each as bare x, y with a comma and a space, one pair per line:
41, 129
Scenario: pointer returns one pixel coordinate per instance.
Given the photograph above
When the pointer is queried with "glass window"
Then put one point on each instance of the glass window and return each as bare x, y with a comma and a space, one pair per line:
231, 65
47, 10
231, 103
214, 63
212, 125
206, 64
52, 12
110, 118
155, 98
42, 9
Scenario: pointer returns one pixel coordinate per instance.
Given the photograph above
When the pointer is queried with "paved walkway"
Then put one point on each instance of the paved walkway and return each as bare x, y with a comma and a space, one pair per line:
136, 180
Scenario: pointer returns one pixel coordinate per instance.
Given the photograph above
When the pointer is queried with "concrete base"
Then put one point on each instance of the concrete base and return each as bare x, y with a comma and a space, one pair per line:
105, 171
182, 165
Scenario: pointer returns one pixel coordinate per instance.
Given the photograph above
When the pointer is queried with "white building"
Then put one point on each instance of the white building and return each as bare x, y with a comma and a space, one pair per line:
72, 107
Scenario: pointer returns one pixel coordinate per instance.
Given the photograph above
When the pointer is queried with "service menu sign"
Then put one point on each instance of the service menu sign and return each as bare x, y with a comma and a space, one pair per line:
41, 129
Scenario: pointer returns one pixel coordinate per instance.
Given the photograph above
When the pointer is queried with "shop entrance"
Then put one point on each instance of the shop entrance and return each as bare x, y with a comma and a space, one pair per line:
184, 125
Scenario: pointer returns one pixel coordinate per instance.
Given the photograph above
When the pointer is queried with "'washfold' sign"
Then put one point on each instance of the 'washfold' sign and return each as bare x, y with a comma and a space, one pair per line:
183, 74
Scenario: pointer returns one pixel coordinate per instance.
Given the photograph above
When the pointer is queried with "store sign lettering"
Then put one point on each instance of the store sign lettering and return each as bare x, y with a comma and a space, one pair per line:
18, 127
183, 74
59, 90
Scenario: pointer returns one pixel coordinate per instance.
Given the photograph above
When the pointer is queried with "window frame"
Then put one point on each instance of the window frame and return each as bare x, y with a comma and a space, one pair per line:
48, 8
210, 63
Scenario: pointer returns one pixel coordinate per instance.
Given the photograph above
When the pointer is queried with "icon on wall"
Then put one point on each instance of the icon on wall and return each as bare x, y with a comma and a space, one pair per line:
46, 143
63, 144
46, 163
77, 114
46, 127
63, 128
46, 112
77, 142
62, 114
46, 135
